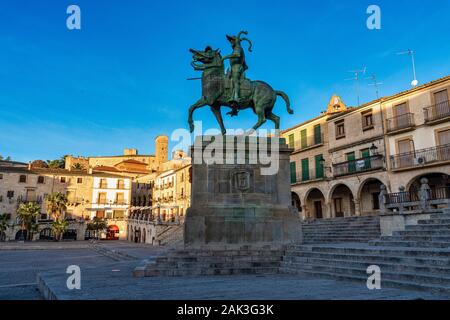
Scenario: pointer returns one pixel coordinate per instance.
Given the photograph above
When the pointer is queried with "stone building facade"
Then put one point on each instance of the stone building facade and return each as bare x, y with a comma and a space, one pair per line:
393, 141
82, 188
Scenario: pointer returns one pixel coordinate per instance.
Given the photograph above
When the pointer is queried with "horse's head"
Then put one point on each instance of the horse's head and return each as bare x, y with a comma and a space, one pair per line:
207, 58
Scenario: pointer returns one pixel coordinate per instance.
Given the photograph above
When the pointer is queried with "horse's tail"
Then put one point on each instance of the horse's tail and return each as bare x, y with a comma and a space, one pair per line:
286, 99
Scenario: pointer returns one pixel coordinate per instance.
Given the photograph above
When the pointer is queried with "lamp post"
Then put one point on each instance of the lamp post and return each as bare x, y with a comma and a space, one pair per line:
373, 150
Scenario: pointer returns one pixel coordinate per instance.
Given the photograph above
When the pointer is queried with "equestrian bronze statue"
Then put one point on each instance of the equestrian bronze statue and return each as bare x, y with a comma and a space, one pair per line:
233, 89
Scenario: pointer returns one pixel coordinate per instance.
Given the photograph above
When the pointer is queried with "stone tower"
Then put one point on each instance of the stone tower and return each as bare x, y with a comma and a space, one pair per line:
162, 149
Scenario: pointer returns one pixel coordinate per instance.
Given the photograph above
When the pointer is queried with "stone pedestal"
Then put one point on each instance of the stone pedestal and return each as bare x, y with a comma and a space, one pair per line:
233, 201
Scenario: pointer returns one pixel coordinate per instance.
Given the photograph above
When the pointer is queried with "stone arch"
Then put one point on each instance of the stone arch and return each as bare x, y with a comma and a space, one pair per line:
368, 193
342, 202
435, 179
315, 204
296, 202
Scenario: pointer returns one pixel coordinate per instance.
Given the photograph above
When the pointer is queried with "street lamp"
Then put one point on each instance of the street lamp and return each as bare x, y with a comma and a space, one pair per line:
373, 149
322, 163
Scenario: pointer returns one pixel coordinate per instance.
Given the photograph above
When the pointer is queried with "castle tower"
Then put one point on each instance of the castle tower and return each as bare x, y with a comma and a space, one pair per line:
162, 149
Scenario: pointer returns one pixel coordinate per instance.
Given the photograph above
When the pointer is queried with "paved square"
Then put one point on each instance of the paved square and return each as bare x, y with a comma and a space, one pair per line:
104, 278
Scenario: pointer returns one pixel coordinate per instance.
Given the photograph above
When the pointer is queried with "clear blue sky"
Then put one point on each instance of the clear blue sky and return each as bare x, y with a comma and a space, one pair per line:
121, 80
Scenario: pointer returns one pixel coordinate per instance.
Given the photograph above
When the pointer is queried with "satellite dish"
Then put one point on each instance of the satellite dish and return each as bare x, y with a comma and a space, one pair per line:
414, 83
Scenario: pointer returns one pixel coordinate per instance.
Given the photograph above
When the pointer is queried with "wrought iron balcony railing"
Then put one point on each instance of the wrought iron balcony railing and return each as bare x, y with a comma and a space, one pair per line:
374, 162
34, 199
437, 112
404, 121
310, 175
421, 157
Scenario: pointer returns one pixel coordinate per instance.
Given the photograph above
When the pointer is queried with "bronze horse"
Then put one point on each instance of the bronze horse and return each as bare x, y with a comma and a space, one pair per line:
216, 92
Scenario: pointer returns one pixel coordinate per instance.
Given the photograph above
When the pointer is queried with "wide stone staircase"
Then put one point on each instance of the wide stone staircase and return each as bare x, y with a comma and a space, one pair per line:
172, 236
354, 229
226, 261
417, 258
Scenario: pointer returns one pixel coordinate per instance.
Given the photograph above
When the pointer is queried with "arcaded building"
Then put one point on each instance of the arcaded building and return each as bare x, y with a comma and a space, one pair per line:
343, 156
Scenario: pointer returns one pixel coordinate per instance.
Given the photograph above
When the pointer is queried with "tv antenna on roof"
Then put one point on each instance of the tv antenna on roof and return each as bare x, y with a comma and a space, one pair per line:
375, 83
356, 78
410, 52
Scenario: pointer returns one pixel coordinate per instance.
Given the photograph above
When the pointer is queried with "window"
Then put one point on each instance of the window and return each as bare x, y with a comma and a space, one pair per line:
120, 184
63, 180
305, 169
100, 214
444, 137
365, 154
291, 141
1, 198
10, 194
120, 198
351, 161
319, 167
304, 138
1, 176
118, 214
293, 173
103, 184
367, 120
317, 134
102, 198
41, 179
441, 98
79, 180
340, 130
22, 178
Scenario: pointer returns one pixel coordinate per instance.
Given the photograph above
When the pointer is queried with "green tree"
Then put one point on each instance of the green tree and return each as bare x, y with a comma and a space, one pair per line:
55, 164
56, 204
8, 158
3, 226
59, 227
96, 225
27, 214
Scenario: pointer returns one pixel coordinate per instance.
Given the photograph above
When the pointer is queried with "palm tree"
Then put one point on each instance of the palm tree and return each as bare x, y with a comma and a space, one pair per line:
3, 226
96, 225
27, 214
56, 204
59, 227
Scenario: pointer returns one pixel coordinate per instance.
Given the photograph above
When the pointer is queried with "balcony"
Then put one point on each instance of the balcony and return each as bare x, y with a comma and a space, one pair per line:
311, 175
33, 199
437, 112
402, 122
308, 142
421, 157
359, 165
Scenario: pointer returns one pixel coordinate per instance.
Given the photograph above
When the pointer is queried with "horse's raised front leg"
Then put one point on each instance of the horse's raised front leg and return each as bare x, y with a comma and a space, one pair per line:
200, 103
216, 110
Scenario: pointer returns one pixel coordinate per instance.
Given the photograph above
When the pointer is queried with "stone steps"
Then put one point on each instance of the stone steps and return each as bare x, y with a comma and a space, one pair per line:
386, 282
403, 267
214, 262
406, 243
423, 268
353, 229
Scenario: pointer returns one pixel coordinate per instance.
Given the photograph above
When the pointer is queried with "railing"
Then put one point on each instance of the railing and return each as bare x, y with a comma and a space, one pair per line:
34, 199
438, 111
359, 165
421, 157
308, 142
422, 199
400, 122
311, 175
